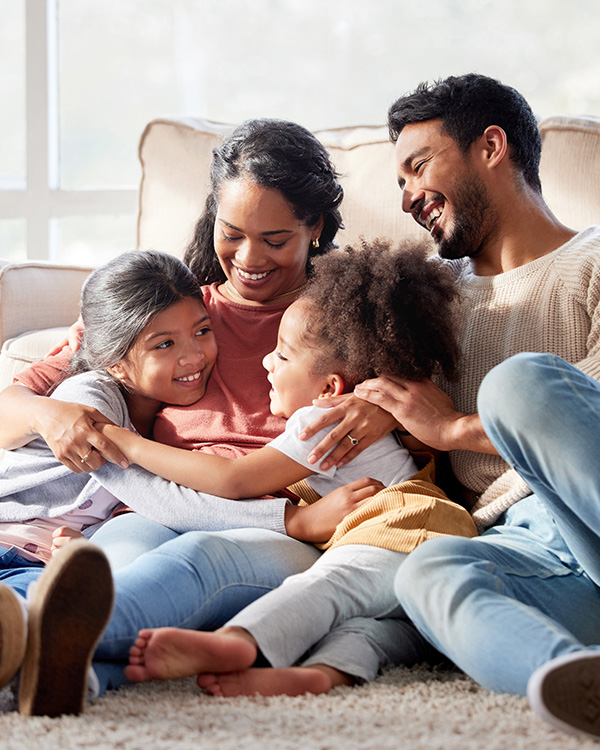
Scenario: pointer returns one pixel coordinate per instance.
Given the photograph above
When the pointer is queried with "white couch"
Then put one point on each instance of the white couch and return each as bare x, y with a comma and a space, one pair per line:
38, 301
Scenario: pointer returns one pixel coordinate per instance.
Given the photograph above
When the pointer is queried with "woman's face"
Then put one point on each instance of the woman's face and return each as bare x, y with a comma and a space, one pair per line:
261, 245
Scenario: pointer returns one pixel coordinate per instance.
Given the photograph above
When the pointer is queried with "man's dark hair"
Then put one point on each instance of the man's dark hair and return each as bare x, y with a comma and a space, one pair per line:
467, 105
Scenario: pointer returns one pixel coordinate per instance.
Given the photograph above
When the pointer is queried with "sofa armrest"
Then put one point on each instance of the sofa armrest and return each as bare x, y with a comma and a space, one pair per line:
38, 295
38, 301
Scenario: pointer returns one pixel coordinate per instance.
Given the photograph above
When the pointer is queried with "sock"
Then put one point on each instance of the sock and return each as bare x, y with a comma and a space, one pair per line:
93, 685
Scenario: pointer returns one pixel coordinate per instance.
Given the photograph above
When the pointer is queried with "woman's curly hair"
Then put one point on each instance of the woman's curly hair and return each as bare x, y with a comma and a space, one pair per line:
382, 310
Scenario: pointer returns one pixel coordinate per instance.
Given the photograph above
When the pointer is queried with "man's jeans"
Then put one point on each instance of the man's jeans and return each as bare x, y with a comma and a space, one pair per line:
526, 590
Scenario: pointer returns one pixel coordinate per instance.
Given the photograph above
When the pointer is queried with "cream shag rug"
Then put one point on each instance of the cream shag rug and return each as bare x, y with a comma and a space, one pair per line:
419, 708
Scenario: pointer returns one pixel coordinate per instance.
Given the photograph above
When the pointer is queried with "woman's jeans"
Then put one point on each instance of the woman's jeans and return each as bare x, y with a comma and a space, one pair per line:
197, 580
16, 571
200, 580
129, 535
526, 590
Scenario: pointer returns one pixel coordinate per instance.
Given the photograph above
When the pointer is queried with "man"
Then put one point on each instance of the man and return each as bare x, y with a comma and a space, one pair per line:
517, 608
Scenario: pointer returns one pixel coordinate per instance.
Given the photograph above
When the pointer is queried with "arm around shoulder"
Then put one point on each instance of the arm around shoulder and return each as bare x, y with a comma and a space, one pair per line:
20, 409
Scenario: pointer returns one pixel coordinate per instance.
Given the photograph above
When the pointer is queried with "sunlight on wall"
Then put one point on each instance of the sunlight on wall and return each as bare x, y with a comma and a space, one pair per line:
323, 63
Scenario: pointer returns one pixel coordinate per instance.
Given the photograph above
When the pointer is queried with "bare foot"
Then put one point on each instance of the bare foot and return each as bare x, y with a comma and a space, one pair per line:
164, 653
287, 681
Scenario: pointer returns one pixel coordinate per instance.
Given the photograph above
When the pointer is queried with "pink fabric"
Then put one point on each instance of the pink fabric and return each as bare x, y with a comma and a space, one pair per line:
233, 417
41, 377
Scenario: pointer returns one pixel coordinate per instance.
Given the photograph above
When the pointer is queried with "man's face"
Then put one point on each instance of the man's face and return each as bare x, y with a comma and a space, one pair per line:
442, 189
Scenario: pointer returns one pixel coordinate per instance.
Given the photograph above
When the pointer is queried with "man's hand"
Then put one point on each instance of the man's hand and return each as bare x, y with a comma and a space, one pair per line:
317, 522
427, 413
358, 421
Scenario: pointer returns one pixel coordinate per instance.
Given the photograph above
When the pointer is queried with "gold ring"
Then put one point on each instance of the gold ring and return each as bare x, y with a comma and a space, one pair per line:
87, 455
353, 440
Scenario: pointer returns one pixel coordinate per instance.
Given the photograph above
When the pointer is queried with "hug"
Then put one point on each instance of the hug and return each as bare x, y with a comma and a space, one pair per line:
250, 438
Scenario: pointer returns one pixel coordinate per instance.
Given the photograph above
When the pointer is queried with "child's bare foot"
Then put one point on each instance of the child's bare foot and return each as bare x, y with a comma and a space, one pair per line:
163, 653
288, 681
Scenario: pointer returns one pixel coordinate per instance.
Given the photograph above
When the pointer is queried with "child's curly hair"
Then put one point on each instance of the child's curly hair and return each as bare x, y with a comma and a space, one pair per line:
382, 310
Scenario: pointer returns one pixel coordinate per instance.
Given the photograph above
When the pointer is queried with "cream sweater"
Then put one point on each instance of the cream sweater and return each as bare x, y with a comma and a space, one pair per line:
548, 305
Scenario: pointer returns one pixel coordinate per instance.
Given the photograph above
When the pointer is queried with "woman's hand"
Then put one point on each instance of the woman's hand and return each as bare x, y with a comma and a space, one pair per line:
317, 522
360, 424
72, 339
69, 429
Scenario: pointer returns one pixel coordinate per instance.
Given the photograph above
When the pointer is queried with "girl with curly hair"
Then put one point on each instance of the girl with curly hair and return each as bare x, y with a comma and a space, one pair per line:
366, 312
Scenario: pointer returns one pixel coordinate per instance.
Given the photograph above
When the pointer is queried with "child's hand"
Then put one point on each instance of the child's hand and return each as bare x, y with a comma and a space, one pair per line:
62, 536
317, 522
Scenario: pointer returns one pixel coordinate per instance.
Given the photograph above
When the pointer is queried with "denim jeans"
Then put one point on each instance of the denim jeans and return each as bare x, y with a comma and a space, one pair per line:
128, 535
526, 590
197, 580
16, 571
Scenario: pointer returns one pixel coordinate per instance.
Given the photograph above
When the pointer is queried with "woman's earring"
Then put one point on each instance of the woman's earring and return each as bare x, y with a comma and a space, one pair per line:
315, 243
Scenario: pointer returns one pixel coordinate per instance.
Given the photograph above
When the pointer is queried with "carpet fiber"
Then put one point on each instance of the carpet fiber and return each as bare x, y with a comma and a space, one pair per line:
417, 708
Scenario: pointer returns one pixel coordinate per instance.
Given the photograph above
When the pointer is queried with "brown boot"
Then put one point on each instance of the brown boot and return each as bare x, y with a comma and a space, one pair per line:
13, 633
70, 606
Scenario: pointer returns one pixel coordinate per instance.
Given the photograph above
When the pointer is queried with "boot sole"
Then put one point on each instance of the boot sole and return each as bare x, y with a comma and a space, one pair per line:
12, 635
70, 608
566, 693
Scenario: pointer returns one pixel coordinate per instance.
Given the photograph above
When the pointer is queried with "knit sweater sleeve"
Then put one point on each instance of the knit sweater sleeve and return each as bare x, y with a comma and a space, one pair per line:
585, 282
183, 509
551, 304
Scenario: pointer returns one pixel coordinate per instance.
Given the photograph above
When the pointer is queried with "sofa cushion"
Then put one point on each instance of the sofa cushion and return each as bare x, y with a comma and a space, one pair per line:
372, 206
19, 352
570, 168
38, 295
176, 155
38, 302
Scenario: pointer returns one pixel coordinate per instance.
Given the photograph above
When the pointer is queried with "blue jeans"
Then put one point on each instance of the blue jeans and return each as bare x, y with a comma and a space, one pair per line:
128, 535
16, 571
197, 580
526, 590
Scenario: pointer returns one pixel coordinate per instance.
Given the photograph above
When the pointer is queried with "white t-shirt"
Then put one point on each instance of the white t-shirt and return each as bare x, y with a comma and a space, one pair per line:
385, 460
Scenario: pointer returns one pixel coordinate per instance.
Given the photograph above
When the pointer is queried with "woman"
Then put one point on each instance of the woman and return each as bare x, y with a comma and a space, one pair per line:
274, 202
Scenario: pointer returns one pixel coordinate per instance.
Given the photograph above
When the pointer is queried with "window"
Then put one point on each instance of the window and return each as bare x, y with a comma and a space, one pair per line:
80, 79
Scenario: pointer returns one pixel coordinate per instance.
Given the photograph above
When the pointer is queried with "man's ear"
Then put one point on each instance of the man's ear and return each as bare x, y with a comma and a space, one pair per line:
494, 145
334, 386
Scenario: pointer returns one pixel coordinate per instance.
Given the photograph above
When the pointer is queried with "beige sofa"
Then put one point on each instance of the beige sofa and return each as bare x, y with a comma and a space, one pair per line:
38, 301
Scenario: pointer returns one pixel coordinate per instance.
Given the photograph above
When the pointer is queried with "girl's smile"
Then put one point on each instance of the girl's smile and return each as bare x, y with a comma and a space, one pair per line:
173, 357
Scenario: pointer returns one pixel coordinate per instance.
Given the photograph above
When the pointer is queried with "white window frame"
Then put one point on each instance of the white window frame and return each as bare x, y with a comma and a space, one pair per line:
42, 203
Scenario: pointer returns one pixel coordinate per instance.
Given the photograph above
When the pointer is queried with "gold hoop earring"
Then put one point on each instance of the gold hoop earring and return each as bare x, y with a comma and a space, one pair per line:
315, 243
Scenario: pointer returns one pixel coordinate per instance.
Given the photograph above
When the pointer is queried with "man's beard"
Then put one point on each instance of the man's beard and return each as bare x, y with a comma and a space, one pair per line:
472, 211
